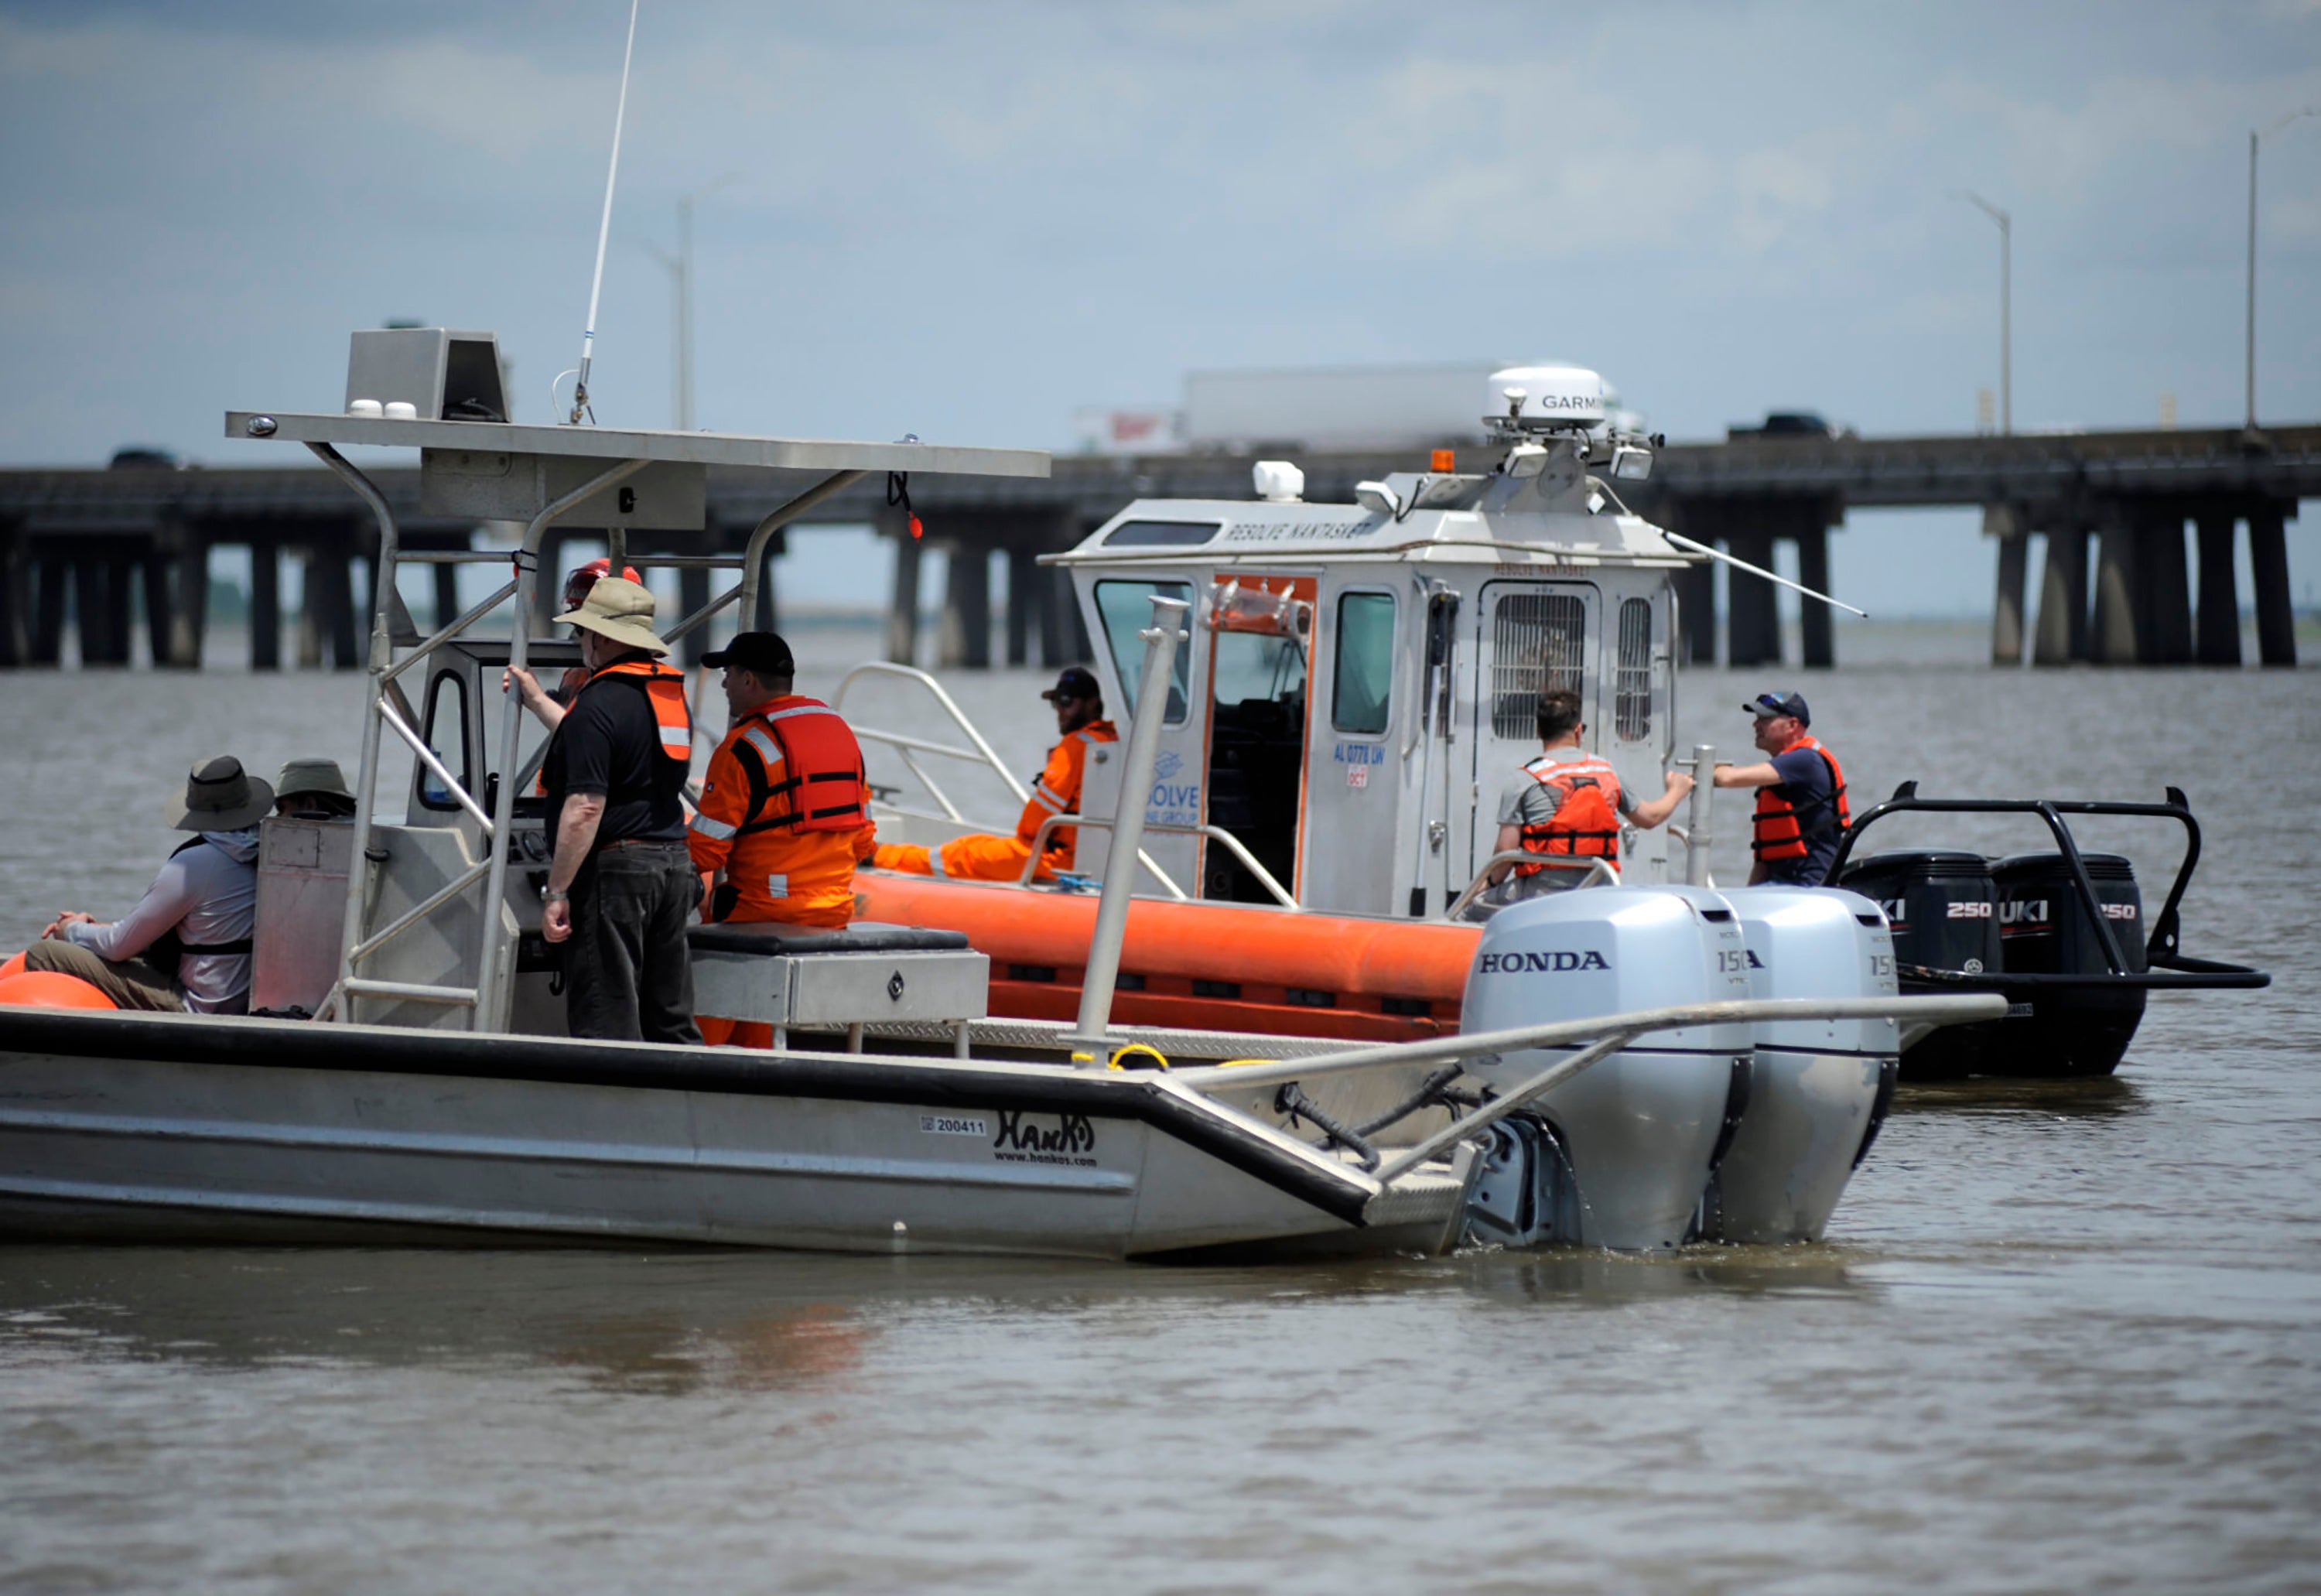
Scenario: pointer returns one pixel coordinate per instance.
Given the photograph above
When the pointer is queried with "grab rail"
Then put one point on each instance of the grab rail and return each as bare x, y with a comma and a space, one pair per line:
1595, 868
908, 746
1216, 834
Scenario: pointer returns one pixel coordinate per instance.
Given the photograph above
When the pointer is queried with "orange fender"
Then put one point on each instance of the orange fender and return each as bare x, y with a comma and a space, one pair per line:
14, 966
49, 989
1211, 966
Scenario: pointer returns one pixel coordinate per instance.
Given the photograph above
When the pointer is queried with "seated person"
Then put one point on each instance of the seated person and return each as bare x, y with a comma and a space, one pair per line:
1566, 804
979, 856
313, 788
186, 946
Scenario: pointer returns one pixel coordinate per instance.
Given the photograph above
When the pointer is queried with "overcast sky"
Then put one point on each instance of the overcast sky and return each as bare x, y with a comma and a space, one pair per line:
966, 221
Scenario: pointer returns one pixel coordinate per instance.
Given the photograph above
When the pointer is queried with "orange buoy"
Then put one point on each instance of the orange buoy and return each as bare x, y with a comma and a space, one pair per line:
1206, 966
14, 966
49, 989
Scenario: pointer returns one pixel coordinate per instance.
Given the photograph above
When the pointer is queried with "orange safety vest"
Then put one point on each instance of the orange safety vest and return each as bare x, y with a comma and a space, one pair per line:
1056, 790
665, 691
823, 786
1776, 833
785, 814
1587, 822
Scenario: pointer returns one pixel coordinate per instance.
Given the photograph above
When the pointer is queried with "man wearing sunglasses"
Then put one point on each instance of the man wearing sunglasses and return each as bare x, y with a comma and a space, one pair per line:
1801, 808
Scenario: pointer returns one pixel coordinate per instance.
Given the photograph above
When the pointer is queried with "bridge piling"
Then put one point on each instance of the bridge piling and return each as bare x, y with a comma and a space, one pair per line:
2117, 584
903, 606
49, 621
1753, 624
963, 640
1814, 621
19, 571
2164, 614
1027, 594
2276, 623
265, 604
2219, 620
2063, 635
2007, 524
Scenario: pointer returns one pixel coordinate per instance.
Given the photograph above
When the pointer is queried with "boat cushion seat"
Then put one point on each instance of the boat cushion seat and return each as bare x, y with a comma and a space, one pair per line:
774, 938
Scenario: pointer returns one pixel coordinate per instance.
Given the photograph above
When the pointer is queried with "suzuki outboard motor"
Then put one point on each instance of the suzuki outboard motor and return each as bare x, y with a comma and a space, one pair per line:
1819, 1089
1944, 909
1620, 1155
2044, 929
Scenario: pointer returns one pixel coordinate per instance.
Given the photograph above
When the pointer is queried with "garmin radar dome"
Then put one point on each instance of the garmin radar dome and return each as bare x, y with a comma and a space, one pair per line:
1544, 398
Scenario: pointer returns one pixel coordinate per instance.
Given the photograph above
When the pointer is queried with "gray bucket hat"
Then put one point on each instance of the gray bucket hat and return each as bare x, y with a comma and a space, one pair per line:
303, 777
219, 796
620, 610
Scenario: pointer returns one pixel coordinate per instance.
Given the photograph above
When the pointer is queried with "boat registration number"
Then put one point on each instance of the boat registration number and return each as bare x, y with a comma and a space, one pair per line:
954, 1124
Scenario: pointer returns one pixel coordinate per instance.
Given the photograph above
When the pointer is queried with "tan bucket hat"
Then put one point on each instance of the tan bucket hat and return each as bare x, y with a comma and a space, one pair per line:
302, 778
219, 796
620, 610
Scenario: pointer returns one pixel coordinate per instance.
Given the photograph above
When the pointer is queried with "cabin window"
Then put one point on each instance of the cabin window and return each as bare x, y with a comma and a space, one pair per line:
1362, 683
1125, 608
446, 736
1160, 534
1538, 645
1631, 676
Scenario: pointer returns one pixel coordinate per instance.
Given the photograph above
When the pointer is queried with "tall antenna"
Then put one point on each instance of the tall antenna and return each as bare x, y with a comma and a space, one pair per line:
604, 230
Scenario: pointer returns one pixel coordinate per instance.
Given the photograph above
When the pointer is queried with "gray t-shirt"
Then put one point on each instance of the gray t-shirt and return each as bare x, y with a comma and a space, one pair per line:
1529, 801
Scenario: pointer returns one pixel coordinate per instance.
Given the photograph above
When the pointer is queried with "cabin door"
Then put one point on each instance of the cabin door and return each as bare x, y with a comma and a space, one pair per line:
1260, 651
1530, 637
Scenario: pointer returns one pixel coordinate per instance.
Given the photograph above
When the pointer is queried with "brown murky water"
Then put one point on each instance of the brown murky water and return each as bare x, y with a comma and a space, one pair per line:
2061, 1338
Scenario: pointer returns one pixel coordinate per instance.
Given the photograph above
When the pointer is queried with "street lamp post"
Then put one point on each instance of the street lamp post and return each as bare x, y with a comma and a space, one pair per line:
679, 267
2255, 134
2005, 310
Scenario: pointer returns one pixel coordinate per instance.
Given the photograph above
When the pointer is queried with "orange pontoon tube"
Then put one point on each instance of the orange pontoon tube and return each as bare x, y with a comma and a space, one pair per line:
1206, 966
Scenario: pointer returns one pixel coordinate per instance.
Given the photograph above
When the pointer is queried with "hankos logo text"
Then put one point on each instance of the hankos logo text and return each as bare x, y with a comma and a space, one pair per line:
1520, 963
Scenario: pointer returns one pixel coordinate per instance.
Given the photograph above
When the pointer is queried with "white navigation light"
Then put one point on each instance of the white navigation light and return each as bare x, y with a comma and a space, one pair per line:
1540, 396
1278, 482
1632, 464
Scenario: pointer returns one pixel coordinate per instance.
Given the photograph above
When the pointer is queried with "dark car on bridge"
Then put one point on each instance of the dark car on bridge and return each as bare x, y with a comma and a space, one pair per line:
1790, 423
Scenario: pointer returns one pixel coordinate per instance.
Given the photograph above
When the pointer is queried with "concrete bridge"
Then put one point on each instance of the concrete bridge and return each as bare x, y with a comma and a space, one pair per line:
107, 536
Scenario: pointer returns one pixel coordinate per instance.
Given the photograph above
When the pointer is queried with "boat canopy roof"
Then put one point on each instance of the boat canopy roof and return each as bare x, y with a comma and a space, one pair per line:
1459, 518
611, 444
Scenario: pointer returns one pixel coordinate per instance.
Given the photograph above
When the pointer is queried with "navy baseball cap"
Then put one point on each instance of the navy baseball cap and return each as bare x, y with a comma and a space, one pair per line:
760, 653
1077, 681
1767, 705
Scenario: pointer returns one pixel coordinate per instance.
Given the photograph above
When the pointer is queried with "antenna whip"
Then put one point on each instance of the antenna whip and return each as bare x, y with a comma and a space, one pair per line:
604, 230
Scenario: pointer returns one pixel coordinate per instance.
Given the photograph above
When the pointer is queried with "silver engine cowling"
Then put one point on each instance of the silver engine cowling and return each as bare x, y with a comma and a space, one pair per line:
1622, 1155
1819, 1087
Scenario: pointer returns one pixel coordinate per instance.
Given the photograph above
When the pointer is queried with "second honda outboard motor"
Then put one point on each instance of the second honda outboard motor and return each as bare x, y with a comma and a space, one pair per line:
1819, 1089
1620, 1155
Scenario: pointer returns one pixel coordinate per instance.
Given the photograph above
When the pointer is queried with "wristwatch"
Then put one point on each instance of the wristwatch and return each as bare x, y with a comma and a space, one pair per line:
551, 895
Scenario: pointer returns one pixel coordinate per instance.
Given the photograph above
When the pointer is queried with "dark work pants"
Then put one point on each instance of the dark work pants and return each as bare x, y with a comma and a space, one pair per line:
626, 974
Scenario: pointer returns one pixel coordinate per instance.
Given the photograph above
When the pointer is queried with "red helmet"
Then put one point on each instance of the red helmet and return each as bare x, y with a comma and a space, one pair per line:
576, 585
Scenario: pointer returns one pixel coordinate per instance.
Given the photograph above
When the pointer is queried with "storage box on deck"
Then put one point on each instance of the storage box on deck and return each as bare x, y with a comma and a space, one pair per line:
802, 977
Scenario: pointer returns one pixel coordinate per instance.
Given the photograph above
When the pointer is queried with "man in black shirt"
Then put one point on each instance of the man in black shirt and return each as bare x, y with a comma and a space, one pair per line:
621, 886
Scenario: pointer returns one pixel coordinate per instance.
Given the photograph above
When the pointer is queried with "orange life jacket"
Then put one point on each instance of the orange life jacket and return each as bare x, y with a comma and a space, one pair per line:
1056, 790
823, 787
1775, 833
1587, 822
665, 689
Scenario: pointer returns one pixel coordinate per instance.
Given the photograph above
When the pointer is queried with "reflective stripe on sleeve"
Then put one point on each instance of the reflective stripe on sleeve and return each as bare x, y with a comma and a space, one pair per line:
715, 830
758, 738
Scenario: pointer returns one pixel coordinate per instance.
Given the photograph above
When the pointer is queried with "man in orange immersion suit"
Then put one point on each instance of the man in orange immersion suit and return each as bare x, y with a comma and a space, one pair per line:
785, 812
1056, 790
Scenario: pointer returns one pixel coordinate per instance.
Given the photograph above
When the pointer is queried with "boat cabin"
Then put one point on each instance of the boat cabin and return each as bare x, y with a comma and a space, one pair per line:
1361, 681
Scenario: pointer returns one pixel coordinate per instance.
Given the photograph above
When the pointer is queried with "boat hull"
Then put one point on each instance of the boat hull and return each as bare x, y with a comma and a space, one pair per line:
138, 1127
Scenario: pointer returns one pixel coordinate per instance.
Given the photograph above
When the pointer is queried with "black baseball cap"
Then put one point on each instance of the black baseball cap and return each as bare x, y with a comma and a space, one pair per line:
760, 653
1766, 704
1077, 681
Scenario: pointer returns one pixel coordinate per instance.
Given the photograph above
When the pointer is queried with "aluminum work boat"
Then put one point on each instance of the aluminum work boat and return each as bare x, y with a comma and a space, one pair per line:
1636, 1065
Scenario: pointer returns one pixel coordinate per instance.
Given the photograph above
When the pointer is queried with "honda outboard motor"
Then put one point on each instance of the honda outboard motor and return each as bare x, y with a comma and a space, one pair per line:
1943, 907
1819, 1089
2044, 929
1620, 1155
